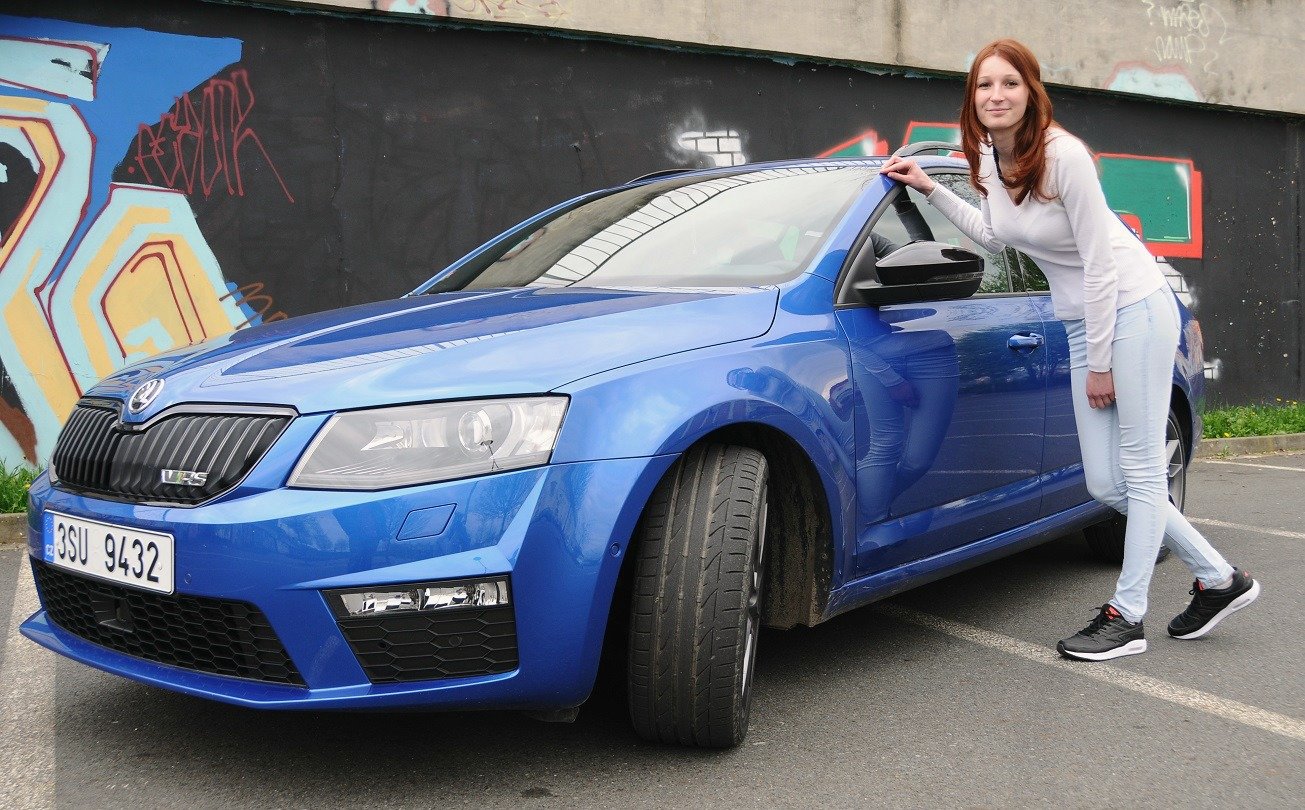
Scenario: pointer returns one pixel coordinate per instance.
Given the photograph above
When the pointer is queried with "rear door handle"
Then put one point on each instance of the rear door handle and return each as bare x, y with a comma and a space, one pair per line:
1025, 341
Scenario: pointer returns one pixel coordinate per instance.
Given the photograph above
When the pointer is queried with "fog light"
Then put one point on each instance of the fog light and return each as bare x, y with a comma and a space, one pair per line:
421, 596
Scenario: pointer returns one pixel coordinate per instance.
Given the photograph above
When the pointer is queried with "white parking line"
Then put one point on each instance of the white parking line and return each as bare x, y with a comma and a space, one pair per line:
1250, 464
1244, 528
1214, 461
1243, 713
26, 709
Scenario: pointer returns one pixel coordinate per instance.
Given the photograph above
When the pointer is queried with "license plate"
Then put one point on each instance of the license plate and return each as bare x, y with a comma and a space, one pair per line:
121, 554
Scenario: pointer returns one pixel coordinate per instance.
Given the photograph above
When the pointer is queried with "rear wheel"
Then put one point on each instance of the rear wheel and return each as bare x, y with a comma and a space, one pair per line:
1106, 539
696, 602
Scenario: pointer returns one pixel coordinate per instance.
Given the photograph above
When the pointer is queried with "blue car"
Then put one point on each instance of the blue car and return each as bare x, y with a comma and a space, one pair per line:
661, 415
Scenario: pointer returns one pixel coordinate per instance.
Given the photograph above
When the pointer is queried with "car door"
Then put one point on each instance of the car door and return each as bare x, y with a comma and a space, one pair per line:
950, 403
1063, 485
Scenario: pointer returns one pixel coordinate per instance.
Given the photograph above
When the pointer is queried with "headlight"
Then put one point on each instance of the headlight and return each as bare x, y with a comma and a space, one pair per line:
421, 444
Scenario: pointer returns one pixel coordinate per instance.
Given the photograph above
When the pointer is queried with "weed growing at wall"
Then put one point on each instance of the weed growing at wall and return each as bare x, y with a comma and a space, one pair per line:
13, 487
1281, 416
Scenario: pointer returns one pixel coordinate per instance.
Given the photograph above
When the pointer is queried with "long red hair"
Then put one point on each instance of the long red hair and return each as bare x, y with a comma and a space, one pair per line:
1026, 169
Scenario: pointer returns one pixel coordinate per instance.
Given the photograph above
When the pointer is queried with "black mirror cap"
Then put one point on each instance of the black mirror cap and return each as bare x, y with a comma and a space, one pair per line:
926, 262
923, 271
876, 294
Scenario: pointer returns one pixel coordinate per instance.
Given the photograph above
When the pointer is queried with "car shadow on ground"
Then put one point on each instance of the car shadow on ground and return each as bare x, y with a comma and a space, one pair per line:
800, 675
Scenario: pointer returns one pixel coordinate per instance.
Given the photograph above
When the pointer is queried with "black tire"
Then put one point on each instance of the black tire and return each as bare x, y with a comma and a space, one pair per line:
696, 599
1106, 539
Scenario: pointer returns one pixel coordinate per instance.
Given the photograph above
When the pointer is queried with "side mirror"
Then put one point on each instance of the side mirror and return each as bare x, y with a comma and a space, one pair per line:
920, 271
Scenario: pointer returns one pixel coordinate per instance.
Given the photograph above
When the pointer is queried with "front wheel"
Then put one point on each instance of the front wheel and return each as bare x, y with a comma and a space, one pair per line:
1106, 539
696, 603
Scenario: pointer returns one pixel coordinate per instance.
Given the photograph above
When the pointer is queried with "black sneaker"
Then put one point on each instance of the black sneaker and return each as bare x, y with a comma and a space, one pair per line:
1109, 635
1212, 605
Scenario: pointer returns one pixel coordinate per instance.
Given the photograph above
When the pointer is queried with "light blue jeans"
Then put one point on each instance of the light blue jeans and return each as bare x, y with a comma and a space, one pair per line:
1123, 447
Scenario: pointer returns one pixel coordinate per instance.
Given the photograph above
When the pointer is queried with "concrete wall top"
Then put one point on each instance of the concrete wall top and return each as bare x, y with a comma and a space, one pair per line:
1237, 53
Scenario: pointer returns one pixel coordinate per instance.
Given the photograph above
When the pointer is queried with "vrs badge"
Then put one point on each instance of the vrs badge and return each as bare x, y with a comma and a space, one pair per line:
144, 395
185, 478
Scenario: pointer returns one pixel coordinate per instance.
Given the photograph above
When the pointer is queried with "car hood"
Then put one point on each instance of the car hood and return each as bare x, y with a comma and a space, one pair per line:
448, 346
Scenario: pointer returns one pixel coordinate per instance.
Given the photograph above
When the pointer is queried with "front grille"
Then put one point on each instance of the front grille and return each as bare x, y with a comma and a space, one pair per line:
97, 454
218, 636
449, 643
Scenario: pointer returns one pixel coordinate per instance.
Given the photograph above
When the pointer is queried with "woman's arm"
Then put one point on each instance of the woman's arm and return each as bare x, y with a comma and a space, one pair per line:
975, 223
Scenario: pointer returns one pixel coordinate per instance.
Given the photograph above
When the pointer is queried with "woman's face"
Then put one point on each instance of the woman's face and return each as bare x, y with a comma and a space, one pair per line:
1001, 97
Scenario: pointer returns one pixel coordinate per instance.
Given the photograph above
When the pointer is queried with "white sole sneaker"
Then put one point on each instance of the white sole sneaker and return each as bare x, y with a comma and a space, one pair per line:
1131, 648
1233, 606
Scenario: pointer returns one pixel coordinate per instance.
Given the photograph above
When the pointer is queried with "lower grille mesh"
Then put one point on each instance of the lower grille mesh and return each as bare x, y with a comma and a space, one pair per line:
217, 636
441, 644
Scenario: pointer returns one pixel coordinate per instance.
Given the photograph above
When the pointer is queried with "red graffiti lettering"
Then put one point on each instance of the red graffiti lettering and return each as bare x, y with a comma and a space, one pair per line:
196, 146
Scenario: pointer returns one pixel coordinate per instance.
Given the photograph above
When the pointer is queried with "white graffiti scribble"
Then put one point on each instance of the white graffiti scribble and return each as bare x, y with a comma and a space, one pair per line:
510, 9
1188, 32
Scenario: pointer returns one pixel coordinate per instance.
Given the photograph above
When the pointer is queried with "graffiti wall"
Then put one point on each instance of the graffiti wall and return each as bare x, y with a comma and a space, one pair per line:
175, 170
96, 273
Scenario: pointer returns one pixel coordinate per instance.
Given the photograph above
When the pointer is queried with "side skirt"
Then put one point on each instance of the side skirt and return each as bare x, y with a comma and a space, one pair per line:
883, 584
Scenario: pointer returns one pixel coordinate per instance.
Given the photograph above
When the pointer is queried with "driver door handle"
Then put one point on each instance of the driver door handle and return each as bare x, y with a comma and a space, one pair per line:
1025, 341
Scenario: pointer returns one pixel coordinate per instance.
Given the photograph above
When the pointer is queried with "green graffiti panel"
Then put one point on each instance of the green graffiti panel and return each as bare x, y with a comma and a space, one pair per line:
926, 132
1158, 192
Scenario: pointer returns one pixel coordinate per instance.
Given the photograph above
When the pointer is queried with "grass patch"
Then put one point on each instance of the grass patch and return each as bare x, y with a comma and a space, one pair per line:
1283, 416
13, 487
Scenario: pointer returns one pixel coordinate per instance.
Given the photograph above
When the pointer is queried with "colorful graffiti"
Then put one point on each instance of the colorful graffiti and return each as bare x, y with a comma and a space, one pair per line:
1159, 197
95, 275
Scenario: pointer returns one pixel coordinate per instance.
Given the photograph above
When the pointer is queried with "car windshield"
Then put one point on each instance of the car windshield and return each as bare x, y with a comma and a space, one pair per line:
744, 229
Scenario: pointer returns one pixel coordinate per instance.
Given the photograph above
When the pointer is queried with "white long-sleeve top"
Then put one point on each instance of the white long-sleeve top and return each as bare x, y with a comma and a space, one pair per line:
1093, 262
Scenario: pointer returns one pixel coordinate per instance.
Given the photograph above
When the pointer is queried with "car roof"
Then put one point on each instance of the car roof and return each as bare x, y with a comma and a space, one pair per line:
925, 161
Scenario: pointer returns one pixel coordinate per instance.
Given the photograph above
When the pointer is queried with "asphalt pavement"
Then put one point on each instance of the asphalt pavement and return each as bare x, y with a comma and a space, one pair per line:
949, 695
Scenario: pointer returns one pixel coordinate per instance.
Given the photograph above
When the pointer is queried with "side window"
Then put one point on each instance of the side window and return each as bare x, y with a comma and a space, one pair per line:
910, 218
1030, 275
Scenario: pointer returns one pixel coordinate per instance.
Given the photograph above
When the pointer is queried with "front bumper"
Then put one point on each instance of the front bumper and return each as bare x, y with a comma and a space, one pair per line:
558, 532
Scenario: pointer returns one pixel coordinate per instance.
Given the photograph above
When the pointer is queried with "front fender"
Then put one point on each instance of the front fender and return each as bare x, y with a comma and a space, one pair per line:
665, 405
799, 387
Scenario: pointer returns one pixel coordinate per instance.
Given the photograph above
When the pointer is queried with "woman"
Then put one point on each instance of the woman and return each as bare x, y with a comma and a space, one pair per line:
1041, 195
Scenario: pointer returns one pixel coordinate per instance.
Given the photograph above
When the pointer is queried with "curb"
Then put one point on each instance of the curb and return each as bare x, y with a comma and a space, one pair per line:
1250, 445
13, 527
